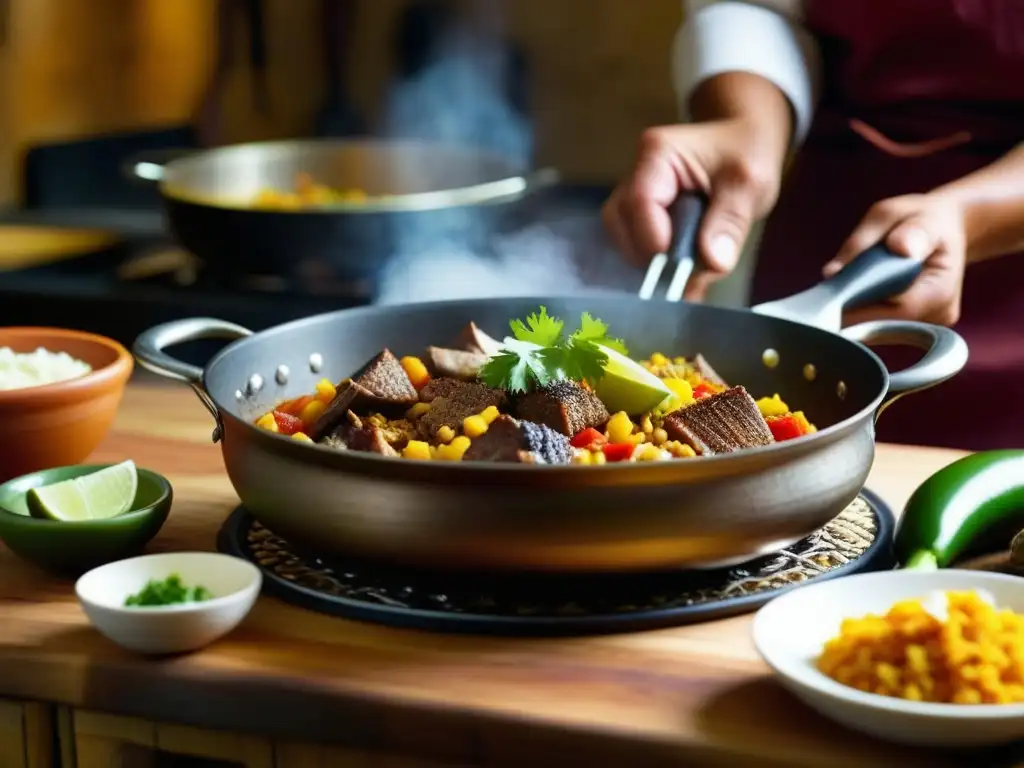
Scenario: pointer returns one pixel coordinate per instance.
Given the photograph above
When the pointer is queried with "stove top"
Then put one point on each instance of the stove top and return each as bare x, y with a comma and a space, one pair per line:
145, 279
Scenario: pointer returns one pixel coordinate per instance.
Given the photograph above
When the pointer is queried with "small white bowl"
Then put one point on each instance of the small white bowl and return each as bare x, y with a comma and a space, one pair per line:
790, 631
233, 582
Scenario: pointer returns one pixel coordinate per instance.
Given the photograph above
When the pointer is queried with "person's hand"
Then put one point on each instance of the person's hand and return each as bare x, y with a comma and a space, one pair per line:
929, 228
737, 168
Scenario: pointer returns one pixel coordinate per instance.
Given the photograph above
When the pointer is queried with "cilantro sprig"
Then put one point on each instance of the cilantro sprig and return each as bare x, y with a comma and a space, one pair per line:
538, 353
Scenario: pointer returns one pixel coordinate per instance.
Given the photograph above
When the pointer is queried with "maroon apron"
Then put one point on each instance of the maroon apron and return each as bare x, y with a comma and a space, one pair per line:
916, 93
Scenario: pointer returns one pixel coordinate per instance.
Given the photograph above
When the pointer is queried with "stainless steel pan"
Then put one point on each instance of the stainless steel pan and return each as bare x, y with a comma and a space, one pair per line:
418, 190
686, 513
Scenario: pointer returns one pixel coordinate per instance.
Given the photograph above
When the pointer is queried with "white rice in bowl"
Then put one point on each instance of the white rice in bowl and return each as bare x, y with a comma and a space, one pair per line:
20, 370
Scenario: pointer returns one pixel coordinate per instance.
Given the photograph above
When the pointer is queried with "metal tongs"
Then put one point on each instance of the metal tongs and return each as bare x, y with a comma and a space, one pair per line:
874, 275
686, 214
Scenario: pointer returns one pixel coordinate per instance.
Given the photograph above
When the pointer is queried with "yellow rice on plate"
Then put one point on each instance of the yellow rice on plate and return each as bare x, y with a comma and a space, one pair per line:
974, 654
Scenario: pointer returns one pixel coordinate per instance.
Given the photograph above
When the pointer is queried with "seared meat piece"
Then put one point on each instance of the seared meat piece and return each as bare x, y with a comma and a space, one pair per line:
381, 384
387, 380
454, 363
355, 434
565, 406
451, 401
722, 423
472, 339
521, 442
707, 372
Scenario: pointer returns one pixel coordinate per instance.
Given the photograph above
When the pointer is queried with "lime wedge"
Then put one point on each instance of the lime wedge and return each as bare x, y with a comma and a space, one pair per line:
628, 386
98, 496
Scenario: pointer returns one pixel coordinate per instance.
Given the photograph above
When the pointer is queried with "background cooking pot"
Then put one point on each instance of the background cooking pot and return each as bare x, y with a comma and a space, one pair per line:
628, 516
420, 193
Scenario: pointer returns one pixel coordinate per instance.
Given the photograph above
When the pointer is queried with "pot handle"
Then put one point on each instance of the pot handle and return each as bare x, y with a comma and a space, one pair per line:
945, 357
149, 346
149, 166
149, 351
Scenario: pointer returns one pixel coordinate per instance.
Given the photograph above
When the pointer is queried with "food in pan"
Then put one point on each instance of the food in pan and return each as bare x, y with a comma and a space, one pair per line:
950, 647
541, 396
307, 193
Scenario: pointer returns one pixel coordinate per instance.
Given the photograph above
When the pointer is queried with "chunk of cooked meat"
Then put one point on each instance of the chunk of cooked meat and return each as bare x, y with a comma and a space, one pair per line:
454, 363
565, 406
385, 377
355, 434
722, 423
472, 339
382, 384
451, 401
522, 442
708, 373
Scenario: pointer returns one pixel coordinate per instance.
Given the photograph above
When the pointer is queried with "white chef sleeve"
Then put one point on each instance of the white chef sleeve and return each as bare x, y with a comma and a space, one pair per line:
765, 39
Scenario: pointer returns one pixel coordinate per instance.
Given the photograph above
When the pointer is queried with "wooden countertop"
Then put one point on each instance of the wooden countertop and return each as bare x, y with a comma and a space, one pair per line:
693, 695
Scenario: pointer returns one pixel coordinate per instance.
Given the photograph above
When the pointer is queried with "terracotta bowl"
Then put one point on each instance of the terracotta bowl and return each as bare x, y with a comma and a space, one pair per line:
56, 425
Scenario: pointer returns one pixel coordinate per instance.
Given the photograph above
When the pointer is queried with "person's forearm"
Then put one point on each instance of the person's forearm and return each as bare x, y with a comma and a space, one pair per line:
751, 99
748, 46
993, 202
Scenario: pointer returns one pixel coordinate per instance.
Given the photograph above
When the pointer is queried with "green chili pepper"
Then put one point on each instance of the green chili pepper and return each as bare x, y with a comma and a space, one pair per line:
959, 506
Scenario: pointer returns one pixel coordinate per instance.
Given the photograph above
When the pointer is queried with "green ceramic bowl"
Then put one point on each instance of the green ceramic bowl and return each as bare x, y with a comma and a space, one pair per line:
72, 548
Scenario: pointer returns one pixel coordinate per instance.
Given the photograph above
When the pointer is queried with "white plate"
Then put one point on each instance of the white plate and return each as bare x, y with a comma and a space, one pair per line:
790, 631
233, 582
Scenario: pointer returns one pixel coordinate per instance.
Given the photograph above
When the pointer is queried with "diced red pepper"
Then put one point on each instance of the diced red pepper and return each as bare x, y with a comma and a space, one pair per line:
287, 424
786, 427
587, 438
704, 390
293, 407
617, 451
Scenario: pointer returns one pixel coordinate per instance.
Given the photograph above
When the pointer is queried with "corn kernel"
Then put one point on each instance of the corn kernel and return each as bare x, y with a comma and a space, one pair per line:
647, 452
659, 359
268, 422
445, 434
638, 438
312, 411
682, 389
453, 451
680, 361
417, 410
416, 449
772, 406
416, 371
619, 427
598, 457
490, 413
474, 426
659, 436
582, 457
302, 437
646, 426
325, 390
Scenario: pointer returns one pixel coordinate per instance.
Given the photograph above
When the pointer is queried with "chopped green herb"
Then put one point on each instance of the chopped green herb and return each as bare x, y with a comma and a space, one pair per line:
540, 329
538, 354
593, 330
169, 591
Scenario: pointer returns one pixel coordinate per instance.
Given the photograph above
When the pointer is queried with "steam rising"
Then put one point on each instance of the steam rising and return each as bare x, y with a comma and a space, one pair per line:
460, 99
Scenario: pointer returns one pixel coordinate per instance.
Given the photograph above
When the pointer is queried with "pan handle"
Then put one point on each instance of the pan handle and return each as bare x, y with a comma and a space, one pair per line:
945, 357
149, 351
149, 166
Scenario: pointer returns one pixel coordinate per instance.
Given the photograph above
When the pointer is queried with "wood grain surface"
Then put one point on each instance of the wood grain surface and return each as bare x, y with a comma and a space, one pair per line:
694, 695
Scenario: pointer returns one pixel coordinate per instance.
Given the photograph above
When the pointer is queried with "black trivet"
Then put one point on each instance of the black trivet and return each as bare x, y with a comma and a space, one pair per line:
858, 540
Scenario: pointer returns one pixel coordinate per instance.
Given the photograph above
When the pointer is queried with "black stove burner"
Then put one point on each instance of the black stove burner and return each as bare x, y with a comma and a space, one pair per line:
858, 540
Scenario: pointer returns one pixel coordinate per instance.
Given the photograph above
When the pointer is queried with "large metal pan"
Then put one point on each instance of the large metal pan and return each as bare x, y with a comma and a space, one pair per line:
419, 193
687, 513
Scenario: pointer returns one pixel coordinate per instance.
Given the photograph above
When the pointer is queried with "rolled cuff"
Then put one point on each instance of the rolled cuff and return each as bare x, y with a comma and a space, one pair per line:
737, 36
